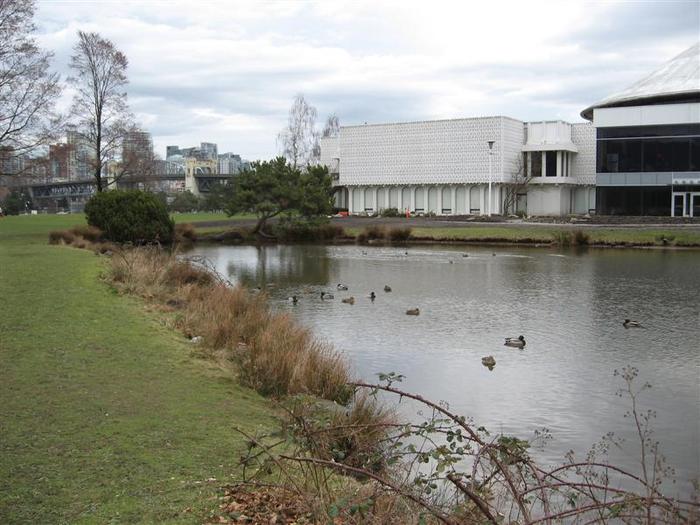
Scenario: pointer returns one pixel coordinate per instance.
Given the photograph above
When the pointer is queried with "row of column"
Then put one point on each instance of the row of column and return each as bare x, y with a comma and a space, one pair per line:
358, 201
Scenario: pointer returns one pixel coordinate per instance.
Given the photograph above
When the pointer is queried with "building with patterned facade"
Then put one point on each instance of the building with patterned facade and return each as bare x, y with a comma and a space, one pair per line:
639, 155
446, 167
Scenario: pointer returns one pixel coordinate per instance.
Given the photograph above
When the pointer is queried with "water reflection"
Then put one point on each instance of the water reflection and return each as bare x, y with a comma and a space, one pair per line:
569, 305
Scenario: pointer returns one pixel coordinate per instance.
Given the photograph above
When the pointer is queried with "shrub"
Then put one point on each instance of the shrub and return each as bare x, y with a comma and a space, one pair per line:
562, 238
399, 234
185, 201
185, 233
87, 232
571, 238
61, 237
581, 238
130, 216
295, 231
391, 212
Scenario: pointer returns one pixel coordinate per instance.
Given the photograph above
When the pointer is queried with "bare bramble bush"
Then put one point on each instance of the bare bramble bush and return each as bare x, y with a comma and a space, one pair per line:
445, 469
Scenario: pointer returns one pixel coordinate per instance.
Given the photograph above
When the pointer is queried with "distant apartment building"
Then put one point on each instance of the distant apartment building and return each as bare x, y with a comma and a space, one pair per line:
205, 151
230, 164
59, 160
137, 144
81, 158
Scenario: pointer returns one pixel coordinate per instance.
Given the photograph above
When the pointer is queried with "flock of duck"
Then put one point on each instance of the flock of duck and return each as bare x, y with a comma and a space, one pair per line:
488, 361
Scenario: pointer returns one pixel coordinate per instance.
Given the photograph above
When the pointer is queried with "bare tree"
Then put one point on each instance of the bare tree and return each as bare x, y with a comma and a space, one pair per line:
299, 139
520, 179
28, 89
332, 127
100, 111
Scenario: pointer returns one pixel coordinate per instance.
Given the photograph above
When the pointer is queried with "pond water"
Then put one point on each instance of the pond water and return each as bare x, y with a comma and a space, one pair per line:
569, 306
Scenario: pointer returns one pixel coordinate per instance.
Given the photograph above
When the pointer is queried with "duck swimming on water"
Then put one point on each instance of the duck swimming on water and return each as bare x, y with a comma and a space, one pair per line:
632, 324
342, 287
413, 311
387, 288
293, 299
372, 296
514, 342
325, 295
349, 300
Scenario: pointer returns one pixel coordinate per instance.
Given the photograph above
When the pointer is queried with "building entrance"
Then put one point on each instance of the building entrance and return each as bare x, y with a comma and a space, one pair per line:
685, 204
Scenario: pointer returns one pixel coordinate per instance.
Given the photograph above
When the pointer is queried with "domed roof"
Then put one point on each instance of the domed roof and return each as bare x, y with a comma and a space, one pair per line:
677, 79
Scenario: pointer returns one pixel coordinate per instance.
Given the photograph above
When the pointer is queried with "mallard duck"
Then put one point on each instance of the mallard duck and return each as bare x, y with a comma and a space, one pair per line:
387, 288
293, 299
632, 324
372, 296
349, 300
488, 361
325, 295
514, 342
342, 287
413, 311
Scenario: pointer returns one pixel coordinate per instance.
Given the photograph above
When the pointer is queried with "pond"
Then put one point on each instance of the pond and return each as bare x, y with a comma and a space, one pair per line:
569, 306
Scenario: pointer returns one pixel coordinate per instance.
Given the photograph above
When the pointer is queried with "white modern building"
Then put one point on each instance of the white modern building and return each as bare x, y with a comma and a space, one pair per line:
451, 167
648, 143
640, 155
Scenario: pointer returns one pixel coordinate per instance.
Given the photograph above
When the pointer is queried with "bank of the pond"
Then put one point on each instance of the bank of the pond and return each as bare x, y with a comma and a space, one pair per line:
105, 414
508, 235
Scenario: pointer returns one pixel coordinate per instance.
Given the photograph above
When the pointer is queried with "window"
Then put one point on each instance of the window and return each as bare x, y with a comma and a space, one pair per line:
536, 162
648, 155
551, 164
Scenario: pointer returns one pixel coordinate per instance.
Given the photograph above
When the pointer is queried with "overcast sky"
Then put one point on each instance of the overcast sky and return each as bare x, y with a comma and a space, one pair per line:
226, 72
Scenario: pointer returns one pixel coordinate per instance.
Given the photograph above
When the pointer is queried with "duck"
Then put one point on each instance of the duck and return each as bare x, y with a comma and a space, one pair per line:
342, 287
413, 311
515, 342
387, 288
493, 254
349, 300
325, 296
451, 261
632, 324
465, 255
372, 296
293, 299
488, 361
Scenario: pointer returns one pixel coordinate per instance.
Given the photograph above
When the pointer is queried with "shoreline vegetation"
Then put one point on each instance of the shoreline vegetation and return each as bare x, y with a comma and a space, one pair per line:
339, 453
540, 237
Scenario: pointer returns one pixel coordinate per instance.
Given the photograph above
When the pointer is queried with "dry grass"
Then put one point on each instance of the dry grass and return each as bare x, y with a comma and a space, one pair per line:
89, 233
185, 233
276, 356
399, 234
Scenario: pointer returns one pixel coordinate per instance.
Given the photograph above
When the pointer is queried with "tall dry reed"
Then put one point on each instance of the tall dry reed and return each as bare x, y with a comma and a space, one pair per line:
276, 355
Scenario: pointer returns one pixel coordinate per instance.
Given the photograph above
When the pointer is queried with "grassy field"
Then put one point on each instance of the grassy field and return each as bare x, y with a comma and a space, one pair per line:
105, 416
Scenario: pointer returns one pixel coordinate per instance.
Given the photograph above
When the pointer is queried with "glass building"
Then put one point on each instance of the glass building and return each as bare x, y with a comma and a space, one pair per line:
648, 143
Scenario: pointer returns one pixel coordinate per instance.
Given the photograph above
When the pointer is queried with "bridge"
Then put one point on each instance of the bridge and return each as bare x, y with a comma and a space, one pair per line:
75, 194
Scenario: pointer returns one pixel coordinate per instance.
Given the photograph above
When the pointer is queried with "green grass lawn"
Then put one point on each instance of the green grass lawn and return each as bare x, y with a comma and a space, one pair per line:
105, 416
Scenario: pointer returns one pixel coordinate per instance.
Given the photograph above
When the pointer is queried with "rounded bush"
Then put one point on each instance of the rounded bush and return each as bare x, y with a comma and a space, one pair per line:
130, 216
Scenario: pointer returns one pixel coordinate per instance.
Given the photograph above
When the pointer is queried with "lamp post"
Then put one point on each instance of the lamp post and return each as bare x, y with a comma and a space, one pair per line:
491, 142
